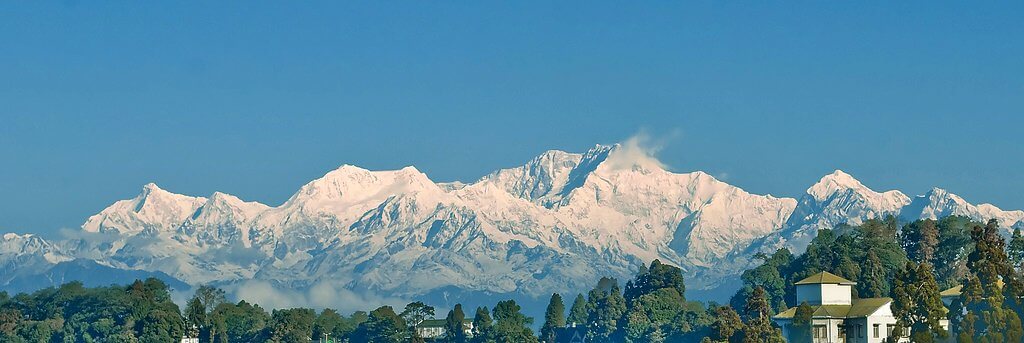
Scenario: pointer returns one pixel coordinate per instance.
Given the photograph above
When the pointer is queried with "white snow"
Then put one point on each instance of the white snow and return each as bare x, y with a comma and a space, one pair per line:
551, 224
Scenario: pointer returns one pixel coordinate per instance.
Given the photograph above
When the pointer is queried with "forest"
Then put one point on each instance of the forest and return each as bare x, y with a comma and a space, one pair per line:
911, 263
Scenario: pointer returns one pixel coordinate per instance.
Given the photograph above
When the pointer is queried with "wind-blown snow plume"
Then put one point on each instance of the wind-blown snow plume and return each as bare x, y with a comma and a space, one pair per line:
638, 150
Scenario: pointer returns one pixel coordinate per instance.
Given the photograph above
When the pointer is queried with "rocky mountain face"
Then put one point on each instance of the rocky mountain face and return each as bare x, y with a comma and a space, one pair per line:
553, 224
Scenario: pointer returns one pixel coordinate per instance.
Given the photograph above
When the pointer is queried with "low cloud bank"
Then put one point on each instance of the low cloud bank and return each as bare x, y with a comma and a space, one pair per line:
319, 296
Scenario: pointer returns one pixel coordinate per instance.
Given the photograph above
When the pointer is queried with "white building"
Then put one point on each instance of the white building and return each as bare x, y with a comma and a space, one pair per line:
837, 317
434, 328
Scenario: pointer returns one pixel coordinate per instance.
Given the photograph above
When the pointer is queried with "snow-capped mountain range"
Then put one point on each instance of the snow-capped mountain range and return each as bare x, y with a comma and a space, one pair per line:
556, 223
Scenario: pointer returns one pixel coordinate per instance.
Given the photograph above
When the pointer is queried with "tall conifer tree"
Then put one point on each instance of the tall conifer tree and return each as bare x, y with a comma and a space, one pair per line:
554, 317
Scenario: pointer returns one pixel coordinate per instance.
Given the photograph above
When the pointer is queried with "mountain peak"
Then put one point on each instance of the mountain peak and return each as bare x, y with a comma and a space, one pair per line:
12, 236
840, 177
837, 181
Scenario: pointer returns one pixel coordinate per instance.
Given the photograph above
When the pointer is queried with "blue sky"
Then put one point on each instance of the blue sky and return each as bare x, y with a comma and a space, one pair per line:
258, 98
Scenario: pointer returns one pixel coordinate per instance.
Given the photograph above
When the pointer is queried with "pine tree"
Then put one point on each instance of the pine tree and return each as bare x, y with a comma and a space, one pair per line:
758, 328
554, 317
482, 326
578, 313
917, 304
920, 239
872, 279
990, 319
454, 329
727, 327
1015, 250
195, 317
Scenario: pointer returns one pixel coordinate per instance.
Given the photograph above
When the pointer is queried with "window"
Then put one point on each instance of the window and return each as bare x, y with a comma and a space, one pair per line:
819, 331
876, 330
860, 331
888, 329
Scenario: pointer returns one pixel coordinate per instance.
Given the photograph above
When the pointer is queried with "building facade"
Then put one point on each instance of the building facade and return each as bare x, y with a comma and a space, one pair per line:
434, 328
837, 316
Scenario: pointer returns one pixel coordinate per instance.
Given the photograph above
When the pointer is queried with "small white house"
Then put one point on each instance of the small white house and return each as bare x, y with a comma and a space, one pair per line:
434, 328
837, 317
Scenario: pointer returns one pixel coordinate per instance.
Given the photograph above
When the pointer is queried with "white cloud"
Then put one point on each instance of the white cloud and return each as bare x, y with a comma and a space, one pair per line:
319, 296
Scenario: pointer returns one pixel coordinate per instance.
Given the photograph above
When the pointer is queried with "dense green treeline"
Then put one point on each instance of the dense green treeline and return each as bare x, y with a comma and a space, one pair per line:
909, 263
140, 312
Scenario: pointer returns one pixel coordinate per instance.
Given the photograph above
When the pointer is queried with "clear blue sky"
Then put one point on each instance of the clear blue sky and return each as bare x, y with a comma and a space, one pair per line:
258, 98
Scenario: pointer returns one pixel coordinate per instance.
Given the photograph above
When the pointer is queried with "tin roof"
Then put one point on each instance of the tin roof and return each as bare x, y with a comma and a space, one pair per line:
859, 308
825, 278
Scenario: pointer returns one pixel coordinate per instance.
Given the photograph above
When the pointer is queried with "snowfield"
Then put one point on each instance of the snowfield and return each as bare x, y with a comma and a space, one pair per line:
554, 224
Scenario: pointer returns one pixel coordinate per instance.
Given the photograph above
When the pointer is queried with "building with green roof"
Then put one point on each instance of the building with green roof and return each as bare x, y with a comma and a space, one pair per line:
837, 316
434, 328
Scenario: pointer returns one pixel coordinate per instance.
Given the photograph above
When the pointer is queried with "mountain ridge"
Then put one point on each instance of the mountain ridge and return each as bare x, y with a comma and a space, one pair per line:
547, 225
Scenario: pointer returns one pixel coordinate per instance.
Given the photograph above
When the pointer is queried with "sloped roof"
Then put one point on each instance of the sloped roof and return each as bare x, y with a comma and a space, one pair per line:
955, 291
825, 278
860, 308
952, 292
438, 323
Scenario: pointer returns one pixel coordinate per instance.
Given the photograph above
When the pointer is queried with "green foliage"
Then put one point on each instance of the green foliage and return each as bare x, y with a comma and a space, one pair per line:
955, 245
578, 312
727, 327
554, 317
873, 282
241, 322
1015, 249
142, 311
415, 312
382, 326
606, 306
332, 325
511, 325
758, 328
291, 325
198, 312
917, 304
770, 276
454, 328
658, 276
483, 326
989, 318
920, 239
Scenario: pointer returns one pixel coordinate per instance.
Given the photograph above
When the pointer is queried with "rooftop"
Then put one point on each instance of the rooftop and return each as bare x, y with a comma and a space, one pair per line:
860, 308
825, 278
429, 323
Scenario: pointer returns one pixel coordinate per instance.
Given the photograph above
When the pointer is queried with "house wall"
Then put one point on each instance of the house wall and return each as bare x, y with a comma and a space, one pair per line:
883, 318
857, 330
784, 325
824, 294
